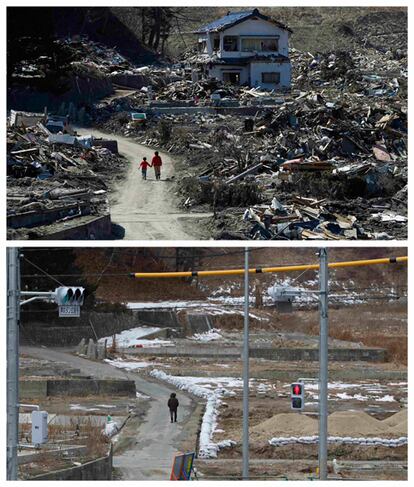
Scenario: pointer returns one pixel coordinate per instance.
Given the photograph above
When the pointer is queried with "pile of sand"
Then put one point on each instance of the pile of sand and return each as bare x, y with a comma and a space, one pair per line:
287, 424
398, 423
355, 424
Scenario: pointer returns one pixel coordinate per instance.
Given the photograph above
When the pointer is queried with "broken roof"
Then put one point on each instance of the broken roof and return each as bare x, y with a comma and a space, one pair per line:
233, 18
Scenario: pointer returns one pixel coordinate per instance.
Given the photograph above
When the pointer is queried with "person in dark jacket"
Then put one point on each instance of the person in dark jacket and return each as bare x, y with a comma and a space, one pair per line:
173, 405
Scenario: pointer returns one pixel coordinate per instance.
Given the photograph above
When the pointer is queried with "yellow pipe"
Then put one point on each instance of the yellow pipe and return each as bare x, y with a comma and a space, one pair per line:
260, 270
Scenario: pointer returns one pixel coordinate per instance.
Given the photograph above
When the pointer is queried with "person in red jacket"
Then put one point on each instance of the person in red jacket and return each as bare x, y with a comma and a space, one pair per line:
156, 163
144, 165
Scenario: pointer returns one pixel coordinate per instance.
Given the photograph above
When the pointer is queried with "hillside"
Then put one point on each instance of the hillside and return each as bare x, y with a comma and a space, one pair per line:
122, 288
315, 29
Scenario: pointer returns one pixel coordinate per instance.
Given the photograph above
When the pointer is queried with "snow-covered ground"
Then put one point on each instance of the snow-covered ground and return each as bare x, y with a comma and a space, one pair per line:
135, 338
165, 304
364, 392
123, 364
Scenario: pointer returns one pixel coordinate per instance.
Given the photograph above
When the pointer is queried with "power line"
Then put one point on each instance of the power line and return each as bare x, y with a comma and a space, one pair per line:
43, 271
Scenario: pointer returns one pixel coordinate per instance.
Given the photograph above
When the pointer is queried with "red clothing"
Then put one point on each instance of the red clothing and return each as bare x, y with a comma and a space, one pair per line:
156, 161
144, 164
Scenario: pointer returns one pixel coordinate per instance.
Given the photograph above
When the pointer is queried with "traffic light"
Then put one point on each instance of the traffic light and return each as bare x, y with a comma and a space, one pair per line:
297, 396
69, 296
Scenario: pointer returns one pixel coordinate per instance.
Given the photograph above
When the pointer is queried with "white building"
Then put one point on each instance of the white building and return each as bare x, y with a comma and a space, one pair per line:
246, 48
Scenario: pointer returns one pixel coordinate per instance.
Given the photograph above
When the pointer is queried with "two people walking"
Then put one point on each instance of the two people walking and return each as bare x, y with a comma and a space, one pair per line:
156, 163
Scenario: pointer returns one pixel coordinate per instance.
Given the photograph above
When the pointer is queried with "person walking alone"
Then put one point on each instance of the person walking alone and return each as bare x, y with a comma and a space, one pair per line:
144, 166
173, 406
156, 163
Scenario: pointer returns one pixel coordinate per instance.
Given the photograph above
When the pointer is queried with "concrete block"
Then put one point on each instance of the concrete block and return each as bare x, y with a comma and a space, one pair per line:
91, 352
101, 351
32, 388
82, 347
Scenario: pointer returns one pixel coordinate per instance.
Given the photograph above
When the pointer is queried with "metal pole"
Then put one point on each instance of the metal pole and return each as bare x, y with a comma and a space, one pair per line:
246, 368
323, 364
13, 316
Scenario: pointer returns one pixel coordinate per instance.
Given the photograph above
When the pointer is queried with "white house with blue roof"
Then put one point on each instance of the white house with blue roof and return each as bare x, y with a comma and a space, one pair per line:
246, 48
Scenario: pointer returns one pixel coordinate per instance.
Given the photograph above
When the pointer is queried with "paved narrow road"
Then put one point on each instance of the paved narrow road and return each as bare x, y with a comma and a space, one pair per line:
147, 210
151, 456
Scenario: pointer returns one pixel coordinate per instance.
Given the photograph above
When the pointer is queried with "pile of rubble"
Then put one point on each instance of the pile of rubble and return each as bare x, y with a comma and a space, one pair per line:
347, 156
367, 72
328, 160
55, 177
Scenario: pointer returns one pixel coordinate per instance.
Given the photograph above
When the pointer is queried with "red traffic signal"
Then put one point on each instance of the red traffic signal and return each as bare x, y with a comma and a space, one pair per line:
297, 396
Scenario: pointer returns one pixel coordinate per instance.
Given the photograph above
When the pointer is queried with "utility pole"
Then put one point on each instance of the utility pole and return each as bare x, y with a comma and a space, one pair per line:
323, 364
246, 368
13, 319
69, 300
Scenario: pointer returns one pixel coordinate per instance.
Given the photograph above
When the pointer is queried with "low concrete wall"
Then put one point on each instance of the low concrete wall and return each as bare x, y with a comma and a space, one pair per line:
99, 228
76, 387
50, 330
190, 351
277, 354
99, 469
32, 388
31, 219
199, 323
160, 318
335, 354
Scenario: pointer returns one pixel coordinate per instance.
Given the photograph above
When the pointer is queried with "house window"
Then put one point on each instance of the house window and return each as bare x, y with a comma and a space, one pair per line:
230, 43
260, 44
273, 78
231, 77
216, 44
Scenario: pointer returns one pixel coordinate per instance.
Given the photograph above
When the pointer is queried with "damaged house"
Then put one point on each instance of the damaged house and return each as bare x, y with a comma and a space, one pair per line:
245, 48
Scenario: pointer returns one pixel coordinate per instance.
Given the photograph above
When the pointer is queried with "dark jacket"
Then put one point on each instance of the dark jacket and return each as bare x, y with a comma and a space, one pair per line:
173, 403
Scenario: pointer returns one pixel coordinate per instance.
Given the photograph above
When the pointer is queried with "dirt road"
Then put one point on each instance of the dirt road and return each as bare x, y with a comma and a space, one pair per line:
150, 458
147, 210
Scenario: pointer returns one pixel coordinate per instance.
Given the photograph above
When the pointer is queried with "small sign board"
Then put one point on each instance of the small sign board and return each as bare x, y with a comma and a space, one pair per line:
69, 311
182, 466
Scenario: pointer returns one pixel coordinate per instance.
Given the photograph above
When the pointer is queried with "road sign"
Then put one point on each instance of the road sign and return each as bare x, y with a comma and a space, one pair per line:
69, 311
182, 466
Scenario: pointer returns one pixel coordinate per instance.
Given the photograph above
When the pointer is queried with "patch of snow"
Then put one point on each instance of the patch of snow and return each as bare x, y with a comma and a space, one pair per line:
386, 398
165, 304
130, 338
139, 395
121, 364
208, 336
357, 397
78, 407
